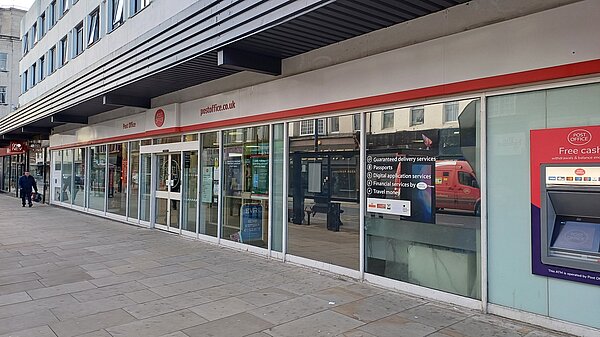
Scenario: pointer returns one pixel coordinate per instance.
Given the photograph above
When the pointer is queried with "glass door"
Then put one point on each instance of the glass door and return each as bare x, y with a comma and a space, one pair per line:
168, 191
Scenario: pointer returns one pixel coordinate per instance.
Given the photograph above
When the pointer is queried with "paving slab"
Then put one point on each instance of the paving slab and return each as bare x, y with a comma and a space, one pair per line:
77, 275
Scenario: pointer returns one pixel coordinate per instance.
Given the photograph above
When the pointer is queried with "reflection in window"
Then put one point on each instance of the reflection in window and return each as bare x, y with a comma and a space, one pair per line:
450, 112
3, 95
388, 119
97, 183
323, 200
209, 184
417, 116
134, 179
117, 179
423, 199
78, 192
246, 185
307, 127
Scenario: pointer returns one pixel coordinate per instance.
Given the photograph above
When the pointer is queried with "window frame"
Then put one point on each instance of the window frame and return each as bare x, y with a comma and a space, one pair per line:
51, 60
454, 111
42, 60
64, 51
3, 95
78, 39
115, 8
4, 62
385, 121
417, 109
93, 23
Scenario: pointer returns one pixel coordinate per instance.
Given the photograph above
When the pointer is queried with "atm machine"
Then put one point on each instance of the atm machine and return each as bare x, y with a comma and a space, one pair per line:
570, 216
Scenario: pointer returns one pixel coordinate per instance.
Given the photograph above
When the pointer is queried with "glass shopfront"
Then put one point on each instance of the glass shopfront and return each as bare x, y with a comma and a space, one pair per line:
323, 190
423, 200
97, 181
246, 185
209, 184
423, 197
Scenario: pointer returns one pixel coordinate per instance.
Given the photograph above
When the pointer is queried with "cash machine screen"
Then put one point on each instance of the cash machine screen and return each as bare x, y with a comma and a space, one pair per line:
571, 216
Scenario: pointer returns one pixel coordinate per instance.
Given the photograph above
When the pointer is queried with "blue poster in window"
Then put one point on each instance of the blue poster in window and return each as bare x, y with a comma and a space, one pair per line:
251, 223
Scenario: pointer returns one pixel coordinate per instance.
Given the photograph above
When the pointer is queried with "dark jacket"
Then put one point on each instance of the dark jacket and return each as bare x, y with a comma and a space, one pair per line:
27, 183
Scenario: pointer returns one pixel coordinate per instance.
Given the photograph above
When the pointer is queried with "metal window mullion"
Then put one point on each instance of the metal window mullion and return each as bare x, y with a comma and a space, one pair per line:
483, 204
270, 214
106, 165
221, 186
286, 160
198, 182
362, 198
128, 175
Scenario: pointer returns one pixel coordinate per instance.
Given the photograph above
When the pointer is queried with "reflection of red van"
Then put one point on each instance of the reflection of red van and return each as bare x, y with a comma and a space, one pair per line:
456, 186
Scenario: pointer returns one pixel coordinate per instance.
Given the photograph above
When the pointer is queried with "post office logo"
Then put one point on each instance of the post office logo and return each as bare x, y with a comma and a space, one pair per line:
159, 117
579, 137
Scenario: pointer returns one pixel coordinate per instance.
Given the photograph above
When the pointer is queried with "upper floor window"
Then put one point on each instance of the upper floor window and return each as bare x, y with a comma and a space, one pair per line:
42, 24
417, 116
64, 51
138, 5
78, 39
94, 26
42, 68
33, 74
24, 78
3, 95
334, 124
34, 35
25, 44
356, 122
3, 62
116, 13
388, 119
64, 6
307, 127
52, 14
450, 112
51, 60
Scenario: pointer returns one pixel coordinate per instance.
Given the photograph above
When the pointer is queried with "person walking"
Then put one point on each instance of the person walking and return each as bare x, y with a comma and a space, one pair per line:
26, 184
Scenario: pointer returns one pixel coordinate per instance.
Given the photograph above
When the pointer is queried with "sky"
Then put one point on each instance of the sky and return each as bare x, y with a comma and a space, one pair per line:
23, 4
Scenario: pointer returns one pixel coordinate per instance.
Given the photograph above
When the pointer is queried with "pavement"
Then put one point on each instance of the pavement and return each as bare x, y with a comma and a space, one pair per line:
66, 274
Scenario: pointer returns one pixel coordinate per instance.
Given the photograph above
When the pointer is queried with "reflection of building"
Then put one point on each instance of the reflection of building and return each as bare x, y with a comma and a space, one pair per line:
263, 107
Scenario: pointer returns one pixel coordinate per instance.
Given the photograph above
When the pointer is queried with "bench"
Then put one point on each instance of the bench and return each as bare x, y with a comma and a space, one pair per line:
325, 206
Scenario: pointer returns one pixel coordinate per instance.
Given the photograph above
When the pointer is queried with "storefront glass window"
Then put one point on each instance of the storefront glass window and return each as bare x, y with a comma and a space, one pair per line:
145, 187
57, 177
117, 179
78, 195
97, 185
278, 185
37, 167
67, 177
1, 173
5, 173
209, 184
423, 201
190, 191
323, 200
246, 185
134, 179
167, 140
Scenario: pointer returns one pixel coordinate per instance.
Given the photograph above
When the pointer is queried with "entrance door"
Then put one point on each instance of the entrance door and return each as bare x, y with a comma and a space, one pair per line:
168, 191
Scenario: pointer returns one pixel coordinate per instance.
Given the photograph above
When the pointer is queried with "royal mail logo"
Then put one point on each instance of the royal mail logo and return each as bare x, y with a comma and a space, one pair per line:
579, 171
17, 147
159, 118
579, 137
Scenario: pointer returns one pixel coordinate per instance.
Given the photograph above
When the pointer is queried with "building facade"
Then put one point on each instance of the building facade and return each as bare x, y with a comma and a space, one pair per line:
444, 148
10, 54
